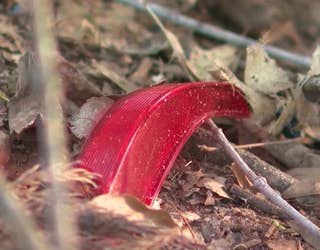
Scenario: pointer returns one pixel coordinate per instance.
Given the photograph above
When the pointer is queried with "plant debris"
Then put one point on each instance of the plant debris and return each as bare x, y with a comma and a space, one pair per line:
107, 50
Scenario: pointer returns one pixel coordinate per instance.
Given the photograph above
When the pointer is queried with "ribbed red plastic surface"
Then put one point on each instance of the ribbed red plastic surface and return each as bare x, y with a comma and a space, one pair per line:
137, 141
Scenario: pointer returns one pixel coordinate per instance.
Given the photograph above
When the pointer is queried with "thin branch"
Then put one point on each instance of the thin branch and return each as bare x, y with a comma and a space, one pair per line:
254, 145
308, 230
217, 33
25, 233
64, 226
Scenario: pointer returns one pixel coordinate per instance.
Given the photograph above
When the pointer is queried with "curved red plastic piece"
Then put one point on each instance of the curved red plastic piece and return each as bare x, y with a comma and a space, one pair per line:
136, 142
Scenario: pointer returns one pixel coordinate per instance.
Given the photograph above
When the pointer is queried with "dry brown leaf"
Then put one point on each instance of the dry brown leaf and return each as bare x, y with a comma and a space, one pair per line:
190, 215
178, 51
140, 76
242, 179
109, 25
210, 201
33, 185
83, 21
262, 73
76, 87
216, 185
192, 179
203, 62
263, 107
26, 106
197, 199
119, 80
88, 115
134, 210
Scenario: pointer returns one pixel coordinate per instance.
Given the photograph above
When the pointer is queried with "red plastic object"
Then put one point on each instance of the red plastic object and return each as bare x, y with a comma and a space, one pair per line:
138, 139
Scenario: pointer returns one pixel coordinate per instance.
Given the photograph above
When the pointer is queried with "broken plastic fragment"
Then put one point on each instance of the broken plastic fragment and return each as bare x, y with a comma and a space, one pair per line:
136, 142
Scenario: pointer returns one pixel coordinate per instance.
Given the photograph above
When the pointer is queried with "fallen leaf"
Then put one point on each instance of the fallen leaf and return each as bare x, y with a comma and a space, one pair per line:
26, 106
242, 179
263, 107
148, 48
203, 62
210, 201
83, 21
119, 80
133, 209
216, 185
192, 179
178, 51
190, 215
140, 76
197, 199
107, 25
88, 115
76, 87
262, 73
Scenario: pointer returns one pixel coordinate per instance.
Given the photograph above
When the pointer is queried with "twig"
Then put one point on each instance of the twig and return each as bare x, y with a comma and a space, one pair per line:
253, 145
25, 234
53, 119
256, 202
217, 33
305, 225
277, 179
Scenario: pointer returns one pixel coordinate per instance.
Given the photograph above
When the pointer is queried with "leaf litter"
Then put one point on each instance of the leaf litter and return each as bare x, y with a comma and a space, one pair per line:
83, 121
110, 49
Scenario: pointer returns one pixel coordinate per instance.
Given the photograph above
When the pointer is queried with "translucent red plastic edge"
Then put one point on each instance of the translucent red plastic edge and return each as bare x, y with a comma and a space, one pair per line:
137, 140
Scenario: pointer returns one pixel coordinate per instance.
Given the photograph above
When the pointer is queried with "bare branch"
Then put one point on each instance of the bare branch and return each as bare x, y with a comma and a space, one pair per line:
54, 125
217, 33
309, 231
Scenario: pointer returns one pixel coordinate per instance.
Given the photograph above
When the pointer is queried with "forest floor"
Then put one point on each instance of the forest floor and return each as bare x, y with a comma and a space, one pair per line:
108, 50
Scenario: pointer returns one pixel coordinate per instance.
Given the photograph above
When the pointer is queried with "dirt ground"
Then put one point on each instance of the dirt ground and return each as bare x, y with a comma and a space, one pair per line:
107, 50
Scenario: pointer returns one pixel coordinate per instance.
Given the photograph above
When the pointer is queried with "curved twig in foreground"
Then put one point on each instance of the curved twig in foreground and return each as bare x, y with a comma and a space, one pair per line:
306, 227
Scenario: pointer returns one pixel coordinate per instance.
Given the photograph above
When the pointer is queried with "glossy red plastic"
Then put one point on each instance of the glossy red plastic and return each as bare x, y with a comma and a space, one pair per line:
137, 140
